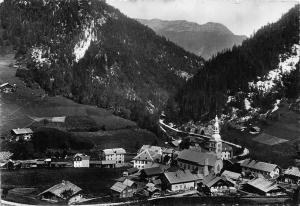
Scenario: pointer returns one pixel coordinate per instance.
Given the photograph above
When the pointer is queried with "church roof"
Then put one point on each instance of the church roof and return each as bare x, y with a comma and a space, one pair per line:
198, 157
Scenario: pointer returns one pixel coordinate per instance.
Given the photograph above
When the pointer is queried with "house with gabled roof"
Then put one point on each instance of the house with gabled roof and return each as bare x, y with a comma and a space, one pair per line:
291, 175
217, 184
115, 154
179, 180
199, 162
263, 168
123, 189
22, 134
60, 192
262, 186
144, 157
81, 160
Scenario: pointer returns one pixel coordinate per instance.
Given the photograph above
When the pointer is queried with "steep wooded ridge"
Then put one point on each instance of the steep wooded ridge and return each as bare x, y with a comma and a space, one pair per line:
247, 79
204, 40
92, 53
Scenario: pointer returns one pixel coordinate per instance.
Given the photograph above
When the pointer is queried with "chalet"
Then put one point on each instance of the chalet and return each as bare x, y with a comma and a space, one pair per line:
22, 134
60, 192
81, 160
155, 149
123, 190
144, 157
151, 172
7, 87
264, 168
261, 186
199, 162
179, 180
217, 185
115, 154
292, 175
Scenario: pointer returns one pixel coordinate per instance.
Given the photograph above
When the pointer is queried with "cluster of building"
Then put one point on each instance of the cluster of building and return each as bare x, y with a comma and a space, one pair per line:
168, 171
109, 158
197, 170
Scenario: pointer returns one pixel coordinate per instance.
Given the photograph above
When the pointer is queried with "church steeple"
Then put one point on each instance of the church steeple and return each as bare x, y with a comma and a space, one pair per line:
216, 130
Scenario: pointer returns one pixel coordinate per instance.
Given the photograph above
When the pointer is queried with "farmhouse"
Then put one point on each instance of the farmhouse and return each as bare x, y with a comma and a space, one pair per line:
264, 168
292, 175
199, 162
262, 186
216, 184
22, 134
144, 157
81, 160
115, 154
123, 190
60, 192
179, 180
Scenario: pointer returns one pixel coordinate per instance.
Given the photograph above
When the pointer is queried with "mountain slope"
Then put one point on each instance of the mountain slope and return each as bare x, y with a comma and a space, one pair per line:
203, 40
92, 53
248, 79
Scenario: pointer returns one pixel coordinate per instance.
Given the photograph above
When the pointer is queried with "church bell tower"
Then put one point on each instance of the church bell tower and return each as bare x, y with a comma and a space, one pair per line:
217, 138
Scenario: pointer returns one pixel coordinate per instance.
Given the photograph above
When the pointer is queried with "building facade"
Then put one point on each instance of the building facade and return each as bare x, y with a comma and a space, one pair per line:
81, 160
115, 154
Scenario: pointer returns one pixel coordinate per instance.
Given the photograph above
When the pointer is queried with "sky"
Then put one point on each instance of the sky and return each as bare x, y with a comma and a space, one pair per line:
242, 17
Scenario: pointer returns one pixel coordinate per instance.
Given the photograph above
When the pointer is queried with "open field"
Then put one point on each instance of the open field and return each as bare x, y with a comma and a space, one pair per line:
271, 147
269, 139
91, 180
130, 139
17, 108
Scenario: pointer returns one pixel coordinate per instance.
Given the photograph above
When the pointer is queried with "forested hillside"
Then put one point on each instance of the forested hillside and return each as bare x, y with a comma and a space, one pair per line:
249, 78
90, 52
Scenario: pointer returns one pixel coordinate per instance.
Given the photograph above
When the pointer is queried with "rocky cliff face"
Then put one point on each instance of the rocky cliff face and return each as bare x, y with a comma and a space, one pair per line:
203, 40
92, 53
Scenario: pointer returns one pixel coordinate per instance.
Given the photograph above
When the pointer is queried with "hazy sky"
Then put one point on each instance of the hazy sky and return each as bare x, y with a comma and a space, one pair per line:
240, 16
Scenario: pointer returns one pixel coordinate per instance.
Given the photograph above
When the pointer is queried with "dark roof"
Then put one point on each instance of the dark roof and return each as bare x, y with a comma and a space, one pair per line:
58, 189
211, 180
179, 176
261, 166
153, 171
132, 170
198, 157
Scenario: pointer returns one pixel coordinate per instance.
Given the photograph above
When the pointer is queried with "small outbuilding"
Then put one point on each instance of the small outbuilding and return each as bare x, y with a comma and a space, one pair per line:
264, 187
22, 134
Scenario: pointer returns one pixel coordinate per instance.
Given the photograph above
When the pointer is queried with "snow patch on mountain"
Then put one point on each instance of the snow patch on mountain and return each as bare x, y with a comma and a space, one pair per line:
183, 74
286, 65
82, 46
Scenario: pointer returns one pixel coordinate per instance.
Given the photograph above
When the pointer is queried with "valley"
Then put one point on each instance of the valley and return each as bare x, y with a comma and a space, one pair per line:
100, 108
